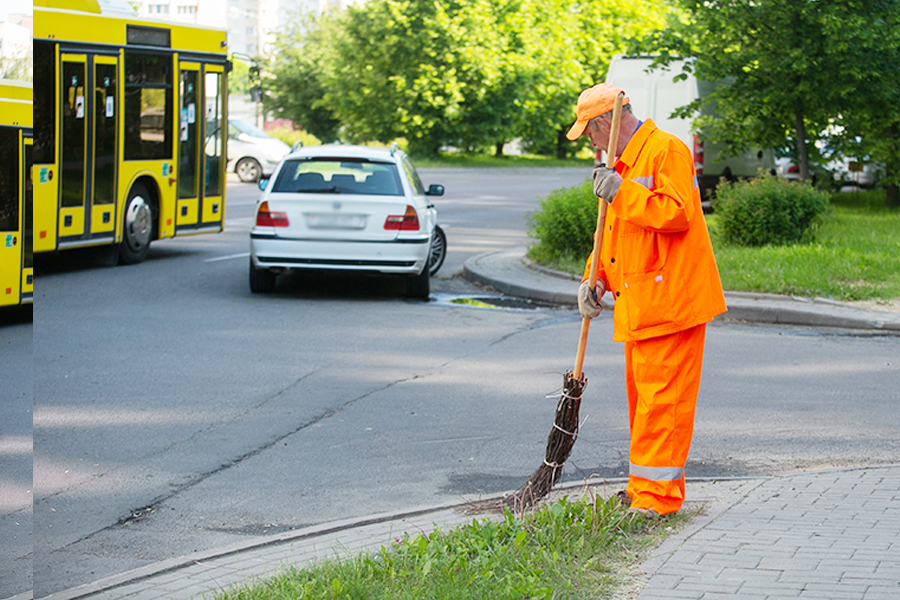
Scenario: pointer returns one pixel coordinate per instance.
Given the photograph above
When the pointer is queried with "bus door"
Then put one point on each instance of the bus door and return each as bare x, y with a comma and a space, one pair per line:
88, 144
16, 264
187, 215
201, 176
215, 129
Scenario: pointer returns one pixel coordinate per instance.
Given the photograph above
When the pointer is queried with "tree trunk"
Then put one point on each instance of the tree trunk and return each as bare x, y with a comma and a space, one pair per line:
893, 195
800, 142
498, 149
892, 165
561, 143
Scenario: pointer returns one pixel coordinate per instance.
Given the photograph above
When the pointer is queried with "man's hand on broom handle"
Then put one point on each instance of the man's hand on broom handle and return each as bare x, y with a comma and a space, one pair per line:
589, 299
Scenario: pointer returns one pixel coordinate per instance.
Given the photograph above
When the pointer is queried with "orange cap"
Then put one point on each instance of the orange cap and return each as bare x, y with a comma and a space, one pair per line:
594, 102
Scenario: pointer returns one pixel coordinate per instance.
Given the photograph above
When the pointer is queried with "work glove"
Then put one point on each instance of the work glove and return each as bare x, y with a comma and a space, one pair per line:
589, 299
606, 183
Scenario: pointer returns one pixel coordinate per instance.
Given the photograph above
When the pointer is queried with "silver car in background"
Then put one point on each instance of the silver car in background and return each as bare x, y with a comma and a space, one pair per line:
351, 208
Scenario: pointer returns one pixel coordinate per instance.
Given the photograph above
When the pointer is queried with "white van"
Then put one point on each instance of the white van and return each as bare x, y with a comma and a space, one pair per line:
654, 95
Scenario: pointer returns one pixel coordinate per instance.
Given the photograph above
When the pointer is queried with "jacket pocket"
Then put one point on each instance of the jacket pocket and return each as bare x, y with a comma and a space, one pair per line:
649, 303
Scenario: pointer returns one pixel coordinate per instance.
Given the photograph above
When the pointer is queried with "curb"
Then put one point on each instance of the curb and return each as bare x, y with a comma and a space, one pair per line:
512, 273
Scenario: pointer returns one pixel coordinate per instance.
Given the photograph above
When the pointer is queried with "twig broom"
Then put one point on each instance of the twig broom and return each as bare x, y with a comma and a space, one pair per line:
565, 426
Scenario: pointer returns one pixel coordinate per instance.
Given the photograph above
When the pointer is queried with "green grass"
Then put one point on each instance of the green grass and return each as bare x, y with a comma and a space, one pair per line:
855, 255
578, 549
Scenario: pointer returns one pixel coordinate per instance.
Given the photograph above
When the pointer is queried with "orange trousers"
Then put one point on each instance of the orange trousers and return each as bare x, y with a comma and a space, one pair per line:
662, 379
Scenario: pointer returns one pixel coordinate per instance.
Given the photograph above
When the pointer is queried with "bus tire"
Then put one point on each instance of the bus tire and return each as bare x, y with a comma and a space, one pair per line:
138, 226
262, 281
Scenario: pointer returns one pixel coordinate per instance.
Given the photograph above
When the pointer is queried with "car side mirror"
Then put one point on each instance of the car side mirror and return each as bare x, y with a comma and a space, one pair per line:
263, 182
435, 190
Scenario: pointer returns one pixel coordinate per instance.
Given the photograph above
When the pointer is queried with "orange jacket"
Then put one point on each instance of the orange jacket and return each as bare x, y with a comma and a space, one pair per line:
656, 257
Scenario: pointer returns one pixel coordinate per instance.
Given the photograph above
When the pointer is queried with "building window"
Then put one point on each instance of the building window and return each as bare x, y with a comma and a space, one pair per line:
187, 10
158, 9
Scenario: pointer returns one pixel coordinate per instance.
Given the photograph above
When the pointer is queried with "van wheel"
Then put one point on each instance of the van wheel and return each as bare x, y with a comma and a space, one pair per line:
262, 281
138, 226
419, 286
248, 170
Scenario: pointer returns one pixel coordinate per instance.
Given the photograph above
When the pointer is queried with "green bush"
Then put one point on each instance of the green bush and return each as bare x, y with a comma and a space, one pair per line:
564, 227
768, 210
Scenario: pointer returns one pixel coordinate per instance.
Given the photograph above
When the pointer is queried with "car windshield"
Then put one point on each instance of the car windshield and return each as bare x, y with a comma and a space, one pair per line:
338, 176
236, 126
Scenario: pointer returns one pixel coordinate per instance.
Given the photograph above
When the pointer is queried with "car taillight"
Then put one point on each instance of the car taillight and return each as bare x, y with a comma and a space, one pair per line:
698, 155
264, 218
405, 222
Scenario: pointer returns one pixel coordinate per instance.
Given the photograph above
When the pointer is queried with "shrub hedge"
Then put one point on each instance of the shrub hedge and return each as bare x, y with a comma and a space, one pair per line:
768, 210
564, 227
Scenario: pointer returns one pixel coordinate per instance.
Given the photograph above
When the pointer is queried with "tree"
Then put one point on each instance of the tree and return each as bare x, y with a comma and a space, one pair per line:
467, 73
295, 85
801, 73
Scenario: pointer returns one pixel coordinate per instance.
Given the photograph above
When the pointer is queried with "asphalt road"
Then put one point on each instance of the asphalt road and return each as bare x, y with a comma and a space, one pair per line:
16, 397
175, 412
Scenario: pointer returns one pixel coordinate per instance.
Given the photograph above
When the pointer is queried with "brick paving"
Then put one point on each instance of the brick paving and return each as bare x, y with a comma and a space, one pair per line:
825, 535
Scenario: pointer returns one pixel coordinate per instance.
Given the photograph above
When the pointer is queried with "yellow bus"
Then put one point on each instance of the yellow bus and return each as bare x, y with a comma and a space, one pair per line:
16, 259
129, 113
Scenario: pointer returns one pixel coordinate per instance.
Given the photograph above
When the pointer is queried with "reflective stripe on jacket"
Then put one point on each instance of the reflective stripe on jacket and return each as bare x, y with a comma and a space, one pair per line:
656, 256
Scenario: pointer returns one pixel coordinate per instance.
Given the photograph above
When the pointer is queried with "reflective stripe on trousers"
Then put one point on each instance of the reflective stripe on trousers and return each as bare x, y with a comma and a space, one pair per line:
662, 378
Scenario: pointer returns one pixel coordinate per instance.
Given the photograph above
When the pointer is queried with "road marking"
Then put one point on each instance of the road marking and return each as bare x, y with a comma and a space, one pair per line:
229, 257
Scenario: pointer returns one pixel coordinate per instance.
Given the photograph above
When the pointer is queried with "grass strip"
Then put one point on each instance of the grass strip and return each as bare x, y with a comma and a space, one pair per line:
855, 255
568, 549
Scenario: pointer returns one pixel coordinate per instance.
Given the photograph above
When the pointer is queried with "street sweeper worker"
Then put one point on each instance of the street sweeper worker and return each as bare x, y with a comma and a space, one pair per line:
657, 262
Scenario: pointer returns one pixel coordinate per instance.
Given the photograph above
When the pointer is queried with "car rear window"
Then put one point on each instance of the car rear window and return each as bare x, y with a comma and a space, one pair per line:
338, 176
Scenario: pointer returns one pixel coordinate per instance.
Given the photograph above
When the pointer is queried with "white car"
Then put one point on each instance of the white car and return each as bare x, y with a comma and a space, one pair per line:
252, 153
351, 208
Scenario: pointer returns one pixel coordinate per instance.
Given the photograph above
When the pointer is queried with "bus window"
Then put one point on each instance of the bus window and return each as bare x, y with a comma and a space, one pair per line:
44, 110
9, 179
105, 115
73, 134
188, 125
148, 106
214, 143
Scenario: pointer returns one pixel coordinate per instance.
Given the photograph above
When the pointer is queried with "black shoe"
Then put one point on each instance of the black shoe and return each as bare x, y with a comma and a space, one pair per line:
623, 498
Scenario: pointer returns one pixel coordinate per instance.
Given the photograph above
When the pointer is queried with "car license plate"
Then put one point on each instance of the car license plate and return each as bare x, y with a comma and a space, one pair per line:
335, 221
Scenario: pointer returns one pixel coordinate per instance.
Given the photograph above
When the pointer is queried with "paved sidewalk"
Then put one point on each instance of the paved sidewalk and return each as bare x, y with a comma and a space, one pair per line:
824, 535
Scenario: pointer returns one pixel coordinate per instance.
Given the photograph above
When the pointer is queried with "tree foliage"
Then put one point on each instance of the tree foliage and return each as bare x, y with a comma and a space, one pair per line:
817, 76
467, 73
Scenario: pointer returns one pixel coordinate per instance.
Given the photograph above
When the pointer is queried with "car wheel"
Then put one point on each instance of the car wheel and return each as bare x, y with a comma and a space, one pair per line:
419, 286
438, 251
248, 170
138, 227
262, 281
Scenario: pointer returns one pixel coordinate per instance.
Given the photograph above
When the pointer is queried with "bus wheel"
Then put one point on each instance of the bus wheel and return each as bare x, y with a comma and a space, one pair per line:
138, 227
248, 170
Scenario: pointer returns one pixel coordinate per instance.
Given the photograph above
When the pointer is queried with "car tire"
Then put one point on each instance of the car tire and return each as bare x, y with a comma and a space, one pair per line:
138, 226
418, 286
248, 170
262, 281
438, 251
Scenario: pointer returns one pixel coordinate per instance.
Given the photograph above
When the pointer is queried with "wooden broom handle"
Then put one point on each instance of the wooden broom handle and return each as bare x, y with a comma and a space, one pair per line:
598, 232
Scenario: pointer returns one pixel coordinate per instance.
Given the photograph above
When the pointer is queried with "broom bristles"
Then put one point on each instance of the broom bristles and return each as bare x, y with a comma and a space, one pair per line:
559, 446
